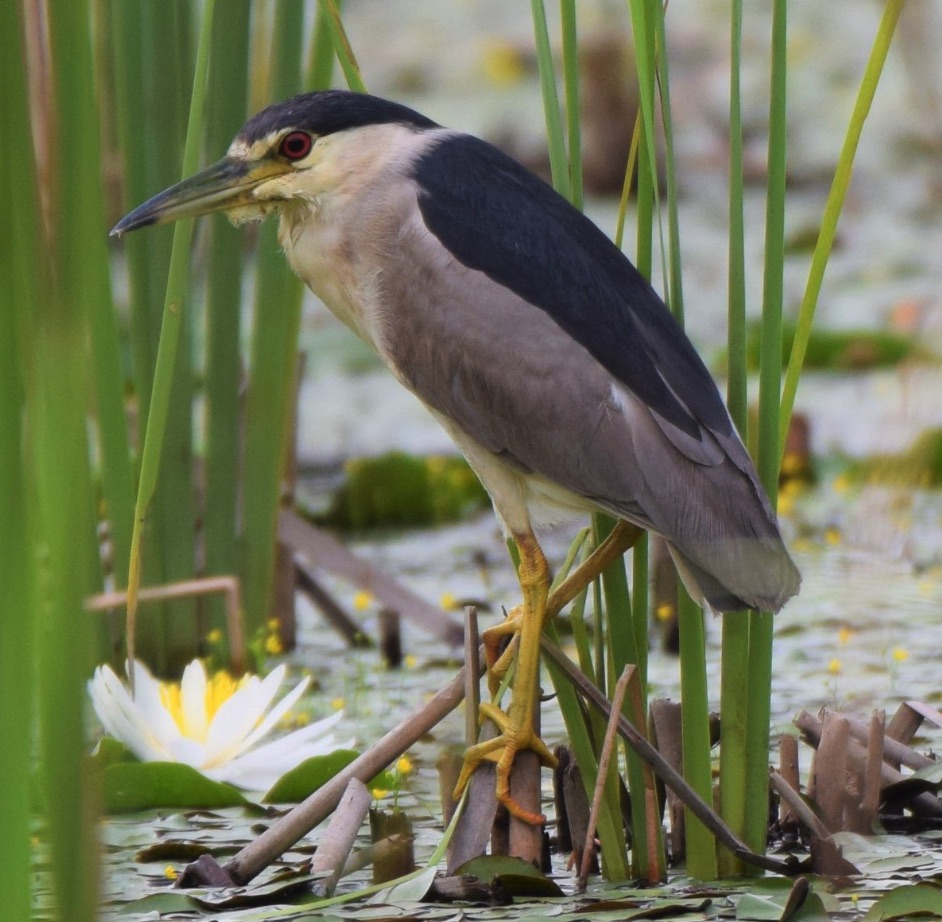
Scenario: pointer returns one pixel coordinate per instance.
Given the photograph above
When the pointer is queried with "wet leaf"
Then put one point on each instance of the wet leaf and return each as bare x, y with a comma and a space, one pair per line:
917, 900
110, 751
811, 910
161, 903
284, 888
758, 908
170, 850
517, 876
295, 785
133, 786
413, 889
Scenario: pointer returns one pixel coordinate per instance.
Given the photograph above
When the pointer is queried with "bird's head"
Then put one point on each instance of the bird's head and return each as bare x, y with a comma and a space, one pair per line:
292, 150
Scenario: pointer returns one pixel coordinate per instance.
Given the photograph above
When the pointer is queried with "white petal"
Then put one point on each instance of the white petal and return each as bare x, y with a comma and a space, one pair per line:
276, 713
193, 701
149, 702
259, 769
238, 715
298, 745
121, 717
188, 751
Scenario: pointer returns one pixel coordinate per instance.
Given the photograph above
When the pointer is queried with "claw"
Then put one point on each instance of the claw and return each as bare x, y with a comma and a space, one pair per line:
502, 750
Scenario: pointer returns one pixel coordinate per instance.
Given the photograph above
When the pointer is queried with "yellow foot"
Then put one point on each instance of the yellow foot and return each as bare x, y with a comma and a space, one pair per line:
498, 661
502, 750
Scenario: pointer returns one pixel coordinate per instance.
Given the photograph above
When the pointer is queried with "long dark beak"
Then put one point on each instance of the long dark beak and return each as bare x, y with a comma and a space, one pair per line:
226, 184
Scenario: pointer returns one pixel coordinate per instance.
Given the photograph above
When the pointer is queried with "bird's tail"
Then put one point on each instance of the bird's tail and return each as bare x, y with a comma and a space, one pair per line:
746, 573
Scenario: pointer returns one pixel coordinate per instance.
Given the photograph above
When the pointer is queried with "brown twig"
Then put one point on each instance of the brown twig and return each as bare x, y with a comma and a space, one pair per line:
257, 855
326, 552
605, 758
207, 585
337, 841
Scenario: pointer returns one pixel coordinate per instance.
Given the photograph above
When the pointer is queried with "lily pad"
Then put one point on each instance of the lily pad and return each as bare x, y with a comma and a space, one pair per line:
160, 904
131, 786
303, 780
518, 877
903, 902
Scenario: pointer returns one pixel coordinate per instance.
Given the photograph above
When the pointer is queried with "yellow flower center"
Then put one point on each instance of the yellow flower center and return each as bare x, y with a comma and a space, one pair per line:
219, 688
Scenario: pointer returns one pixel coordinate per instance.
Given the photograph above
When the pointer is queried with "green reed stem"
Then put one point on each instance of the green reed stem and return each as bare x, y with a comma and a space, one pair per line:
228, 88
21, 269
173, 315
734, 686
274, 362
759, 662
832, 209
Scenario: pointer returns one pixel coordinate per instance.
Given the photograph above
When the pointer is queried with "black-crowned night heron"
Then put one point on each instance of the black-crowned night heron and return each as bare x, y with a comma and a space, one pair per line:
543, 352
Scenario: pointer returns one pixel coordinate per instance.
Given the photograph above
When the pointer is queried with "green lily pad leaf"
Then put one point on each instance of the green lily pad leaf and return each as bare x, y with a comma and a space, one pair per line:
298, 783
518, 877
133, 786
812, 909
758, 908
917, 900
110, 751
162, 903
412, 889
284, 888
629, 910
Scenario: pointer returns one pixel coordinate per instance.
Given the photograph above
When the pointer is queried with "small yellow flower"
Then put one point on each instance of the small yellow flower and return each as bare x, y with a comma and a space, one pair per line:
215, 635
665, 612
337, 704
502, 63
841, 483
900, 654
379, 793
834, 667
273, 624
410, 661
404, 766
170, 872
844, 635
448, 601
362, 600
273, 645
792, 464
832, 536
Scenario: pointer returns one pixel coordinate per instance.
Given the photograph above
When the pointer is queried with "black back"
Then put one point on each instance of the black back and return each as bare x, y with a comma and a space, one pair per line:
499, 218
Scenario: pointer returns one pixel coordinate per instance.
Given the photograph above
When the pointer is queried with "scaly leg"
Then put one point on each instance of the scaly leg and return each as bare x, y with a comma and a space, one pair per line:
516, 725
525, 624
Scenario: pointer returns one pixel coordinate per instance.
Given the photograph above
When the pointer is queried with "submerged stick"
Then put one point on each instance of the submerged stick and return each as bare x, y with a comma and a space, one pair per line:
257, 855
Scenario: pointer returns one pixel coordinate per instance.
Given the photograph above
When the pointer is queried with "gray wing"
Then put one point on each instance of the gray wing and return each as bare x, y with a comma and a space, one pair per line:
520, 386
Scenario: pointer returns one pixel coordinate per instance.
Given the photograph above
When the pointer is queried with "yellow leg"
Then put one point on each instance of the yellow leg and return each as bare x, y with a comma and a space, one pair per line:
516, 725
524, 624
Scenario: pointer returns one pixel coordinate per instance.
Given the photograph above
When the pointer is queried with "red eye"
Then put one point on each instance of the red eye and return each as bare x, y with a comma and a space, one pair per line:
295, 146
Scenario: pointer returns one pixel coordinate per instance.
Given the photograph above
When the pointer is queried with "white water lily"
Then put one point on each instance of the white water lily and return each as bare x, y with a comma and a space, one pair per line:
215, 725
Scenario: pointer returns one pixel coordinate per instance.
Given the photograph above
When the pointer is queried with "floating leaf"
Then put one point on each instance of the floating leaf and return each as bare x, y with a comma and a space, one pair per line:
295, 785
917, 900
759, 908
161, 904
412, 889
517, 876
133, 786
